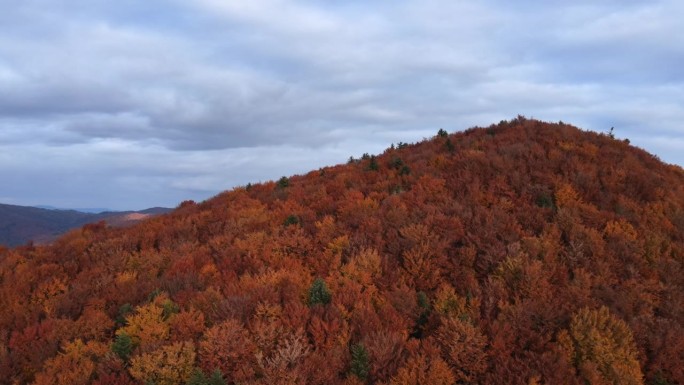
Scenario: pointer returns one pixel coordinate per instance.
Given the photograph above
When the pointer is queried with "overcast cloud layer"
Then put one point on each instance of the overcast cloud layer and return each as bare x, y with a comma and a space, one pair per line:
129, 104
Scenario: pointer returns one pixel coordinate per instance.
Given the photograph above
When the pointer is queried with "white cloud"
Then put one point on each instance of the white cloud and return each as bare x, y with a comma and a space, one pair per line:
143, 103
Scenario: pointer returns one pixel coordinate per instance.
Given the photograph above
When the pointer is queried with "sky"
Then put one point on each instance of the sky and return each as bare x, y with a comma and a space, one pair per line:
131, 104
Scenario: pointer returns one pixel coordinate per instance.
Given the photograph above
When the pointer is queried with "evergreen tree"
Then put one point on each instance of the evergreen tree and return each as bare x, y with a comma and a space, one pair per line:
359, 361
319, 293
197, 378
216, 378
283, 182
449, 146
373, 164
291, 220
123, 346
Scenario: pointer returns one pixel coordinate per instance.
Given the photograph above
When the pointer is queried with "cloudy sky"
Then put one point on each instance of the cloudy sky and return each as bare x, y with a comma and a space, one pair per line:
129, 104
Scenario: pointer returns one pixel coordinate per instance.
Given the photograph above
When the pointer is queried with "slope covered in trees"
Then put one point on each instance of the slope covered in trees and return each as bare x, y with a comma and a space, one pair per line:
521, 253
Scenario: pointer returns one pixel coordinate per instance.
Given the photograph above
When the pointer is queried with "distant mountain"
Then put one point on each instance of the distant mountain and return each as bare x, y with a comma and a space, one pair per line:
21, 224
92, 210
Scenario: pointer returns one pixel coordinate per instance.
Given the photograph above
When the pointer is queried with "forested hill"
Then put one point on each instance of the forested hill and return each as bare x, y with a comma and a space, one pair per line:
521, 253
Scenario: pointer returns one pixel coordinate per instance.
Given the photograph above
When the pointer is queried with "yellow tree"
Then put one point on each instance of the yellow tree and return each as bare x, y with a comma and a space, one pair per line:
602, 347
147, 326
74, 366
168, 365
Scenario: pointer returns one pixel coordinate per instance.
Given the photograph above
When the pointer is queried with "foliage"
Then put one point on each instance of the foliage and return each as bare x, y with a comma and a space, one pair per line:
147, 325
463, 348
75, 365
423, 370
227, 347
603, 346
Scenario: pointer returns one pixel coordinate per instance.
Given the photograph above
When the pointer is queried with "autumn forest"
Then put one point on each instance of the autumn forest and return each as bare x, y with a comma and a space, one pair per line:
520, 253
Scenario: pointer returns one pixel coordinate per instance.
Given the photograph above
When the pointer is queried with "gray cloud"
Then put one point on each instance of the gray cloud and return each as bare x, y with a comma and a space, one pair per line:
130, 104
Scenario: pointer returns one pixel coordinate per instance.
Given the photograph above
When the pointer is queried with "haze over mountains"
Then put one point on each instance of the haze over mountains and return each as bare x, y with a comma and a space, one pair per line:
92, 210
520, 253
21, 224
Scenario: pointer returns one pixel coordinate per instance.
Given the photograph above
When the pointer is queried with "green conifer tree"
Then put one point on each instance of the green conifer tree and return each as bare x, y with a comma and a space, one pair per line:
319, 293
123, 346
359, 361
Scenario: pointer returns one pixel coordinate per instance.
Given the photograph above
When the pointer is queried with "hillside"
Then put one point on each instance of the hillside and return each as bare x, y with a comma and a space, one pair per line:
21, 224
521, 253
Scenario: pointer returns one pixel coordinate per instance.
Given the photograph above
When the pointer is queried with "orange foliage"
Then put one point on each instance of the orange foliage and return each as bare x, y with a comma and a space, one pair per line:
228, 348
76, 365
463, 348
423, 370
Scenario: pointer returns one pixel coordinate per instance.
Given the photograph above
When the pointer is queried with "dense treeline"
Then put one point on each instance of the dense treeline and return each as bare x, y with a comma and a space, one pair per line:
521, 253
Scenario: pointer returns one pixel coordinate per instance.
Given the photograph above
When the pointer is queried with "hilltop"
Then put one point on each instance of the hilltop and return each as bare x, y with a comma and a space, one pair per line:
523, 253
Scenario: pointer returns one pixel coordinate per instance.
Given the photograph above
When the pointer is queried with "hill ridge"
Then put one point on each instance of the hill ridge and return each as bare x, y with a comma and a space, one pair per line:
522, 252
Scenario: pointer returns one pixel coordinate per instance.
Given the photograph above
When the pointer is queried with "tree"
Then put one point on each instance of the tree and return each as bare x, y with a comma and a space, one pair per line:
168, 365
449, 145
359, 361
373, 164
216, 378
463, 347
283, 182
124, 310
424, 309
94, 324
228, 348
319, 293
448, 303
187, 325
74, 366
147, 326
422, 370
364, 267
123, 346
385, 350
199, 378
602, 347
291, 220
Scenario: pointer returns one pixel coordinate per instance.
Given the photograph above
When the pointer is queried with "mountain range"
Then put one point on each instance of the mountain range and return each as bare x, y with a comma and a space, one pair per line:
21, 224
